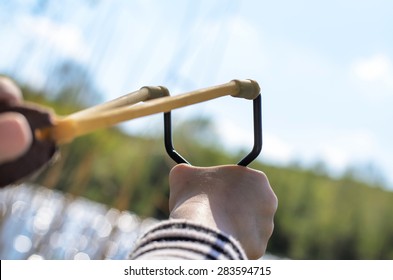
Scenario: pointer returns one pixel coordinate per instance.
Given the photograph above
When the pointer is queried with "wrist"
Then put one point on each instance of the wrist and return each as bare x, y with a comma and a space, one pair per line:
195, 210
199, 211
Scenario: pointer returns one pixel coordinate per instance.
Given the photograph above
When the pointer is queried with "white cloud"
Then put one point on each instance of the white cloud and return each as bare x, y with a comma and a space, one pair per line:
276, 149
233, 135
348, 148
236, 136
375, 70
65, 38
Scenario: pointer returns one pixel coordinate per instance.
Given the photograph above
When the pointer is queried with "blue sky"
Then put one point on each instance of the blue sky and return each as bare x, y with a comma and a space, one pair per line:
325, 67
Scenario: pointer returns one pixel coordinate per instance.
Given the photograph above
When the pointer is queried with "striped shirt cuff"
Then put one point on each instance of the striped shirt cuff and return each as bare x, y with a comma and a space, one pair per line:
181, 239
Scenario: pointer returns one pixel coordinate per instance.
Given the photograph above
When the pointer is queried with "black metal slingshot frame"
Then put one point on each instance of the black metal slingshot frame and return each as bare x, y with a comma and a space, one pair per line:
257, 116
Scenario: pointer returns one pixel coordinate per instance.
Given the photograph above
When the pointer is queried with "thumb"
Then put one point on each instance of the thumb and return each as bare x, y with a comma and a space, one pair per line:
15, 136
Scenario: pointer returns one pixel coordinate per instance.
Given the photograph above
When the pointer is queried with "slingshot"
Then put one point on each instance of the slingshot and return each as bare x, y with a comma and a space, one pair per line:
49, 130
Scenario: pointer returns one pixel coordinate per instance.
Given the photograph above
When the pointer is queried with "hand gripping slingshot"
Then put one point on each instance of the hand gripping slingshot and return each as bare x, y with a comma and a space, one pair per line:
49, 130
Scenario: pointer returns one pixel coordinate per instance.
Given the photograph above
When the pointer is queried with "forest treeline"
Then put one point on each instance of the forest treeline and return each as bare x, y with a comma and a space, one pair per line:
319, 217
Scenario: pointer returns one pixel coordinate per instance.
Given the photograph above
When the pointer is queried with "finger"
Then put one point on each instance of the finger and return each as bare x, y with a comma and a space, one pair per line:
9, 91
15, 137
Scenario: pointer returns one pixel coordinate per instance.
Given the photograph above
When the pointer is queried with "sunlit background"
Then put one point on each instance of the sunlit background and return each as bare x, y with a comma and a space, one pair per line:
325, 68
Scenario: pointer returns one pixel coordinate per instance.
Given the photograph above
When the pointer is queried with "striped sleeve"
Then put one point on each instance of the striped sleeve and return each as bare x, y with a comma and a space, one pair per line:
180, 239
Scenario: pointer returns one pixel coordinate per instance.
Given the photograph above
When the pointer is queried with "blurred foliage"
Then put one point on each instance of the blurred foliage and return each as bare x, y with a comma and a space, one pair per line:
319, 217
323, 218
